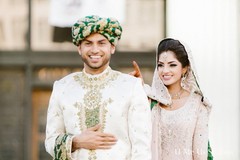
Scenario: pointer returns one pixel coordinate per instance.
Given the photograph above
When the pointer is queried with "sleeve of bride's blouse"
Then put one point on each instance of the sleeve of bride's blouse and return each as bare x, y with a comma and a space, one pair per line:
140, 126
156, 132
57, 141
200, 138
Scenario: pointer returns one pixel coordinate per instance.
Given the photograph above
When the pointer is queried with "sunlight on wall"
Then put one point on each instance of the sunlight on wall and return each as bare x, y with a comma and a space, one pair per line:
210, 29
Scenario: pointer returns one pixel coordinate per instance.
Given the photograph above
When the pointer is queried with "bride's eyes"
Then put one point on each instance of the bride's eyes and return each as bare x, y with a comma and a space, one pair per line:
173, 65
160, 65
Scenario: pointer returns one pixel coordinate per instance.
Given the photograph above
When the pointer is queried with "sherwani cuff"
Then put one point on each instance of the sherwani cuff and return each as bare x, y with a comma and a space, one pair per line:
63, 147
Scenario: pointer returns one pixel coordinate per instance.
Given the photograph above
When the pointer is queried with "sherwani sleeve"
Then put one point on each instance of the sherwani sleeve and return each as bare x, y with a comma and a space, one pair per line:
57, 143
200, 139
140, 126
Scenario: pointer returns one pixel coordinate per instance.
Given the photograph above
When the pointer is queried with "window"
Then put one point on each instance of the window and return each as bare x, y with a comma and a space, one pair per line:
13, 24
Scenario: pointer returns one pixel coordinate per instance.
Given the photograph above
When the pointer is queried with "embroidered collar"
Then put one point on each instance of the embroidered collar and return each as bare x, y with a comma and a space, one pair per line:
98, 80
96, 77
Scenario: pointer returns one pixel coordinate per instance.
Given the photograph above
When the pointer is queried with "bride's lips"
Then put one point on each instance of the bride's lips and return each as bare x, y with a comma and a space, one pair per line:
166, 77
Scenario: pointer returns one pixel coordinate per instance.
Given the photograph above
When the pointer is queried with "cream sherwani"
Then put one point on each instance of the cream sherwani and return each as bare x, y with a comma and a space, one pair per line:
115, 100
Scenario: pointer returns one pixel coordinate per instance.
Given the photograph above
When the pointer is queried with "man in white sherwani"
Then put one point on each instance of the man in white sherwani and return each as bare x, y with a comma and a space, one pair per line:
99, 113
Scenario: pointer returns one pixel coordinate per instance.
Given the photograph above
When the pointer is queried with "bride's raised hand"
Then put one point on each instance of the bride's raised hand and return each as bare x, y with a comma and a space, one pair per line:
136, 72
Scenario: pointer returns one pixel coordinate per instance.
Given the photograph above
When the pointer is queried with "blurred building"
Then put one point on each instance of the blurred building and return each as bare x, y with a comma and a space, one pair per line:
34, 53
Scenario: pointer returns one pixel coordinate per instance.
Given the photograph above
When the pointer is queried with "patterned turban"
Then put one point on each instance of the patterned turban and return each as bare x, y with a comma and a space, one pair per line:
108, 27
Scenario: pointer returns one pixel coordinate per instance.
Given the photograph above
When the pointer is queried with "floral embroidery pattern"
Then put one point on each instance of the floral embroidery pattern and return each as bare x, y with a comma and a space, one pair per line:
108, 27
93, 110
62, 145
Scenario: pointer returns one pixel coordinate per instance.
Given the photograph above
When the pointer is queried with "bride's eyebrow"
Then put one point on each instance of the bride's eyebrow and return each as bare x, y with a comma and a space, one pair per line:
168, 62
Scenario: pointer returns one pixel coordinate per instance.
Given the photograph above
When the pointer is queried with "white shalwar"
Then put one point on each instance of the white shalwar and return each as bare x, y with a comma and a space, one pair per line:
115, 100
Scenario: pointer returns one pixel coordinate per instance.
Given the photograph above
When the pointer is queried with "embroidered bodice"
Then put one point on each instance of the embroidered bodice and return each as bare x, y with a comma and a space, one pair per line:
183, 132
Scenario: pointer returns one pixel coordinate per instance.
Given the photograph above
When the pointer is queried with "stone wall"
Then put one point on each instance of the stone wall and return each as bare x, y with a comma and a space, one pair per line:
11, 114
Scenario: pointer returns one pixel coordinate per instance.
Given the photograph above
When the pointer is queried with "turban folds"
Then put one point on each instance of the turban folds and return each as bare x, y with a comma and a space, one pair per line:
108, 27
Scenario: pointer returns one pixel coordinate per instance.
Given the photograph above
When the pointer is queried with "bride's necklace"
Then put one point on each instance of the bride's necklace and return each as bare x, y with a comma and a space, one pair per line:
177, 95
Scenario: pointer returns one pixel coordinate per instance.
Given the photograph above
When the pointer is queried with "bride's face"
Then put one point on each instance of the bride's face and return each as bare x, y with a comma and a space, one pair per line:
170, 70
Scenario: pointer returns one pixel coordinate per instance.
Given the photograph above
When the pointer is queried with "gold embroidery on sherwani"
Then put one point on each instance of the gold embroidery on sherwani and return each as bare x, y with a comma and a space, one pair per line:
94, 108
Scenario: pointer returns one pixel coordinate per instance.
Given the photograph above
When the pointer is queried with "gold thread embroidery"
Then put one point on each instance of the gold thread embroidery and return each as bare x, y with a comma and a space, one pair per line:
94, 108
92, 155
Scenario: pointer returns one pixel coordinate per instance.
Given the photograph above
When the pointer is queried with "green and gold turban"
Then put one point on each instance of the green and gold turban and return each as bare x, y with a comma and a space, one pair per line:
108, 27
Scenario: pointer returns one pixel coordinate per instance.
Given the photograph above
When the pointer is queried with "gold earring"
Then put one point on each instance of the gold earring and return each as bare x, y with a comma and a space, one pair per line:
183, 75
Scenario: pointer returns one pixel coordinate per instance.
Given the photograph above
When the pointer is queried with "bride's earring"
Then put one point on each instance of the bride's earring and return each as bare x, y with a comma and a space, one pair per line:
183, 77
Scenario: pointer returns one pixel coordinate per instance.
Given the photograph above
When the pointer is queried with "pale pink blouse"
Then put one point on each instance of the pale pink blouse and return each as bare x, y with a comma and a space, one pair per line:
181, 134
